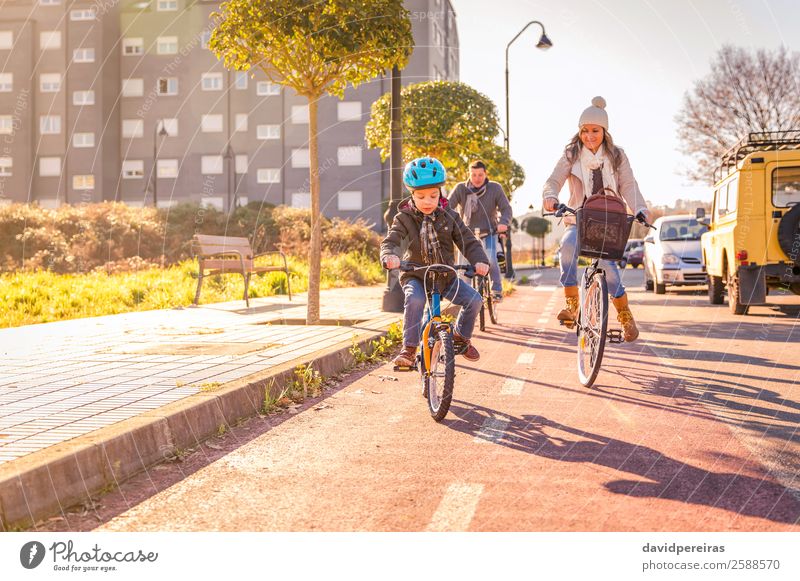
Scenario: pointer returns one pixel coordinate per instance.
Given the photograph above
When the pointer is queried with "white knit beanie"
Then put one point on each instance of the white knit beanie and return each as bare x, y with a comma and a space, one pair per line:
595, 115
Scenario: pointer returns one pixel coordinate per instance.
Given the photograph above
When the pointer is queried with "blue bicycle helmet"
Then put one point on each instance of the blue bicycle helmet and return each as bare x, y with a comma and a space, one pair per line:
424, 172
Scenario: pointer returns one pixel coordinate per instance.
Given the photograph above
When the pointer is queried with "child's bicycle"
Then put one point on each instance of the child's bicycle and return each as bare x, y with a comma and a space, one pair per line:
436, 359
483, 285
591, 325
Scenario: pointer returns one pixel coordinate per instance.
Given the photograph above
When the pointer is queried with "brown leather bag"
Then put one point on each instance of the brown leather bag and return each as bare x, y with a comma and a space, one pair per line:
603, 226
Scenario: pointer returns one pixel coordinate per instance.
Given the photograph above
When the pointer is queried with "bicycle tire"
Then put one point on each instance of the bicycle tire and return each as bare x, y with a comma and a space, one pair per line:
592, 327
479, 286
439, 383
491, 306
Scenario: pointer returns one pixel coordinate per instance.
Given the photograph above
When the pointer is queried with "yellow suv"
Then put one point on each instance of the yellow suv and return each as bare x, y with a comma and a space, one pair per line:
753, 238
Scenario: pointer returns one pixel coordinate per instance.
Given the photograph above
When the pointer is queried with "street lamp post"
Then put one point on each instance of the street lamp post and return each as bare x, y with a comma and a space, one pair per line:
544, 43
156, 134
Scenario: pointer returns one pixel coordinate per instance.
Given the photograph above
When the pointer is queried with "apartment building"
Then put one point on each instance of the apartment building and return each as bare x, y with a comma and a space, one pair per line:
123, 101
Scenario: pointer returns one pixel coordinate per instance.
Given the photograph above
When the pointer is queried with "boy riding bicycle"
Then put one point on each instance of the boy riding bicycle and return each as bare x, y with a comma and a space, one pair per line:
427, 229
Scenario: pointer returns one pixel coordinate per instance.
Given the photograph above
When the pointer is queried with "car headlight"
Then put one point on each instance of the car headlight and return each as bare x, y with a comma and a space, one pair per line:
670, 259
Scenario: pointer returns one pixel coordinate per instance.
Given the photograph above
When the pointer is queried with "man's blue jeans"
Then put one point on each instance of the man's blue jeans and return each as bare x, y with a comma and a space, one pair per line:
458, 292
490, 246
568, 260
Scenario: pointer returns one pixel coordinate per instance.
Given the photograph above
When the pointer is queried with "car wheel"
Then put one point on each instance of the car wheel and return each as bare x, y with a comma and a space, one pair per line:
648, 284
734, 305
715, 290
622, 264
660, 288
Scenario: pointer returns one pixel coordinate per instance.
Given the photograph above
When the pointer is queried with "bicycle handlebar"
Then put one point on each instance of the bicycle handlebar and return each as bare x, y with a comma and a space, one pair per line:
561, 208
407, 266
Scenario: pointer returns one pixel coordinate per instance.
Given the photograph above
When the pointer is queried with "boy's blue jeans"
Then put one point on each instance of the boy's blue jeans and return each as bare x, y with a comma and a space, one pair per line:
458, 292
568, 260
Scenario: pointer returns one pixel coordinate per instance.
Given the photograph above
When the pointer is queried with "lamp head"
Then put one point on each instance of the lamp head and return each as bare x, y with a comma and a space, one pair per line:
544, 42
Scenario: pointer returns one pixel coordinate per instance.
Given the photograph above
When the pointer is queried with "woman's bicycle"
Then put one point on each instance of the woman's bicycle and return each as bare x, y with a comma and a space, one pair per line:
591, 325
436, 357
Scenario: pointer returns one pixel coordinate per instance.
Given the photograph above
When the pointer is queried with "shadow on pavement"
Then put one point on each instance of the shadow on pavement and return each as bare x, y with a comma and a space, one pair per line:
660, 476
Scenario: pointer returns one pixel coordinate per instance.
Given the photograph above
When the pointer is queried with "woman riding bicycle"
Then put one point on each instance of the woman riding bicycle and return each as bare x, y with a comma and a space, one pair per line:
427, 229
593, 165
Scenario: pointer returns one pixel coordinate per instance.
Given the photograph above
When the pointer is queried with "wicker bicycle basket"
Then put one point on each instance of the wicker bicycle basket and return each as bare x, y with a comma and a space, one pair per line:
603, 227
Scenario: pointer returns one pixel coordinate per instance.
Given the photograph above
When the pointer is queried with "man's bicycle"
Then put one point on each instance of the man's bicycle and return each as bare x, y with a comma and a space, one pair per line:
483, 284
591, 325
436, 357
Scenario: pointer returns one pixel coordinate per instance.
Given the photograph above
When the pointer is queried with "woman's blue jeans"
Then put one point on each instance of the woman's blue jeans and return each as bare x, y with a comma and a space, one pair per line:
458, 292
568, 260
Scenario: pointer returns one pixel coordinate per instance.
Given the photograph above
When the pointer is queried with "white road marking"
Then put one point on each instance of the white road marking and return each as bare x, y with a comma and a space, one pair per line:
512, 386
395, 419
542, 320
525, 358
492, 431
545, 287
457, 507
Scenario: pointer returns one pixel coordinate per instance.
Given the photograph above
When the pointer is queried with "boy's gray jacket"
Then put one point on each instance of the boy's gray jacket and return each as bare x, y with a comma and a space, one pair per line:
485, 215
566, 171
403, 237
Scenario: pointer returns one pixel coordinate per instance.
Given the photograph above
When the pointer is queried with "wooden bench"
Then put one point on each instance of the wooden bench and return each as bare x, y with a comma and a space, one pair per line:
230, 255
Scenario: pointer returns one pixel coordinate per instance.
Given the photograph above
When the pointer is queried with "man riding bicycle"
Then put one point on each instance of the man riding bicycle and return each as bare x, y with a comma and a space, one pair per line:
481, 200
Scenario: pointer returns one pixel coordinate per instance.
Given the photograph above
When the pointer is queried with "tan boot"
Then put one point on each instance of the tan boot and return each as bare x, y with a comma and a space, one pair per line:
570, 313
625, 317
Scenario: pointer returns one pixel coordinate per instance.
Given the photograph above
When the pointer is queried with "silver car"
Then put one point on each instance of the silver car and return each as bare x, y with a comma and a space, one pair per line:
672, 254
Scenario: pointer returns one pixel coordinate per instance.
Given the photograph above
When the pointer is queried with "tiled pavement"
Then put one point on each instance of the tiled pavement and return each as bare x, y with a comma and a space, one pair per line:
66, 379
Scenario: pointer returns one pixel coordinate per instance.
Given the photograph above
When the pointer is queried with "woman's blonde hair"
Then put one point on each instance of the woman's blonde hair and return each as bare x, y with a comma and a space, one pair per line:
573, 149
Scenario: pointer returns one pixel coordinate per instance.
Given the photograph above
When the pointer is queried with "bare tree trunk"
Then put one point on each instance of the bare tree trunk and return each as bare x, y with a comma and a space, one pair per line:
315, 251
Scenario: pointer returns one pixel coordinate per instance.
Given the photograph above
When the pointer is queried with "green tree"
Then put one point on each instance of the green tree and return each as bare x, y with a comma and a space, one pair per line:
450, 121
316, 48
537, 228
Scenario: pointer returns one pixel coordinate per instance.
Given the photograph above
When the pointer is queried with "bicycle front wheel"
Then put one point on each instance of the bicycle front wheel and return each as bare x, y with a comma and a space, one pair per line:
592, 326
441, 378
491, 305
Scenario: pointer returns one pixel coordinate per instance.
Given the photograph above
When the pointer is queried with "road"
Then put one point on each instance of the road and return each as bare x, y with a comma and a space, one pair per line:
691, 428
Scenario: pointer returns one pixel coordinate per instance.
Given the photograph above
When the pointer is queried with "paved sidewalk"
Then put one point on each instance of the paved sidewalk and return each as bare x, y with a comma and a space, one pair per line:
87, 403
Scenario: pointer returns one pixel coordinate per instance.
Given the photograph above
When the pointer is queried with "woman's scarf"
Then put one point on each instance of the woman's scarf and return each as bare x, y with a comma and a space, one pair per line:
471, 203
596, 164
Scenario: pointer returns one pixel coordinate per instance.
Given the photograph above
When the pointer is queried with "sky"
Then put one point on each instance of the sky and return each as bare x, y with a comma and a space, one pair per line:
642, 56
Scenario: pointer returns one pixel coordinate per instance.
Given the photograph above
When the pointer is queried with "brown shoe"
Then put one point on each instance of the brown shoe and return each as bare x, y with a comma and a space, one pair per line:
568, 314
469, 353
407, 357
625, 317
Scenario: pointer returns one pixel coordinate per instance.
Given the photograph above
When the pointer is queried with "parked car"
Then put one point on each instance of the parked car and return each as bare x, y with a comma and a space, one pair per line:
672, 253
634, 253
754, 226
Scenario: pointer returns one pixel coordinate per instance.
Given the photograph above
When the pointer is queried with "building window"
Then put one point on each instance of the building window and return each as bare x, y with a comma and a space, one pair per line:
6, 82
49, 166
268, 132
168, 86
241, 164
83, 55
132, 128
265, 88
83, 182
171, 126
132, 87
50, 82
205, 36
81, 140
83, 98
6, 125
50, 124
167, 6
85, 14
212, 81
301, 158
132, 169
211, 123
241, 79
269, 175
350, 155
6, 163
299, 114
6, 39
211, 165
167, 45
132, 46
351, 201
301, 200
50, 40
348, 111
241, 122
167, 168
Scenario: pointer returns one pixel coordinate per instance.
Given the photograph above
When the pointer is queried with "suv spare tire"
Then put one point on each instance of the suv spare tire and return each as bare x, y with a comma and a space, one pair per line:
789, 234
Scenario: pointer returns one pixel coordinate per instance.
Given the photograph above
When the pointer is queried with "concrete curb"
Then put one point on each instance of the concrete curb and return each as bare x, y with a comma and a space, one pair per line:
49, 481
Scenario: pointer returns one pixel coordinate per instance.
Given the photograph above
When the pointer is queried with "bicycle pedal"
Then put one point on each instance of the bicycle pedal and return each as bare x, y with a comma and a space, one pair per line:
405, 368
615, 336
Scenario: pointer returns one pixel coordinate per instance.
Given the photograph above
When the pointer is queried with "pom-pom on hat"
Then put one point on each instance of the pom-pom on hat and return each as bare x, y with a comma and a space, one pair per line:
595, 115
